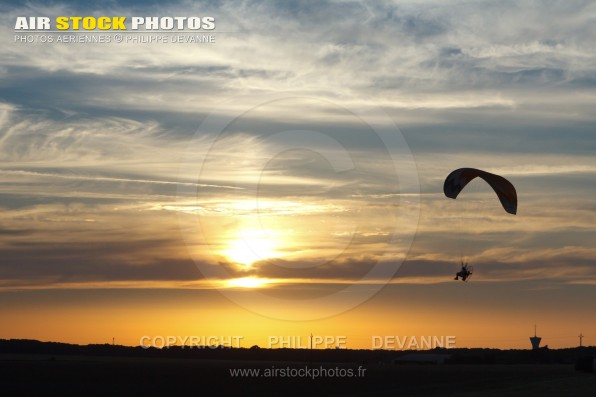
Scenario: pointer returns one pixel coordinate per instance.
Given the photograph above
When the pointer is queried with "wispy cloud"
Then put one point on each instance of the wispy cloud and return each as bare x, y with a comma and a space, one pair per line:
93, 178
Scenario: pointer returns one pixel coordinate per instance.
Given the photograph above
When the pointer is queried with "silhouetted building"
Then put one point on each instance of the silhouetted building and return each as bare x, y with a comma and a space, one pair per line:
535, 340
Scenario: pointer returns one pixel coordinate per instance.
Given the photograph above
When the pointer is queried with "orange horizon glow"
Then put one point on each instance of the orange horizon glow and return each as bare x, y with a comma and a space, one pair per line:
89, 325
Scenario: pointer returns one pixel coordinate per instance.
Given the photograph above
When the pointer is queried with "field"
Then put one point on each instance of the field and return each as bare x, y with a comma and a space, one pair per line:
25, 375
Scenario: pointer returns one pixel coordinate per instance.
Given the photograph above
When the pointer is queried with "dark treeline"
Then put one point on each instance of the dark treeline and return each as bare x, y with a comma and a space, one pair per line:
455, 356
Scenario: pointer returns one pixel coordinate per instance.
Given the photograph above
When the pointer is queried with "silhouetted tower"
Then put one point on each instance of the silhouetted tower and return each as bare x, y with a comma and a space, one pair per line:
535, 340
581, 338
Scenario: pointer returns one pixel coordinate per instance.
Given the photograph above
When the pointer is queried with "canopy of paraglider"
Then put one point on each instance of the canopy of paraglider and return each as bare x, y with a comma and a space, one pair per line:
458, 179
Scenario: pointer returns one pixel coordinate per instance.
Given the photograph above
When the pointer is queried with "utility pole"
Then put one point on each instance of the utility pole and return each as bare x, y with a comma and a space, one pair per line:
581, 337
310, 351
113, 340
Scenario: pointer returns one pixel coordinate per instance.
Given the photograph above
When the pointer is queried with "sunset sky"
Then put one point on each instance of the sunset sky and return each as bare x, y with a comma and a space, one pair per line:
287, 179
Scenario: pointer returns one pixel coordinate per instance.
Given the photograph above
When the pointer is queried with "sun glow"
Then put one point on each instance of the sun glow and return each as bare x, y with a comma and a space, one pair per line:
247, 282
250, 246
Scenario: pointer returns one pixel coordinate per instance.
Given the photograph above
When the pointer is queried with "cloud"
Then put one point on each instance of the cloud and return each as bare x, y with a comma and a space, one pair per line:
412, 48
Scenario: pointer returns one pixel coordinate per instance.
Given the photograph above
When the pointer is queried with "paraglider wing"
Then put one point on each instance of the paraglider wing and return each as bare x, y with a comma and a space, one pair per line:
458, 179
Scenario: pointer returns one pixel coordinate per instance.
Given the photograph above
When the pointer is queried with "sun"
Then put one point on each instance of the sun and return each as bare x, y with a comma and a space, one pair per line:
250, 246
247, 282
